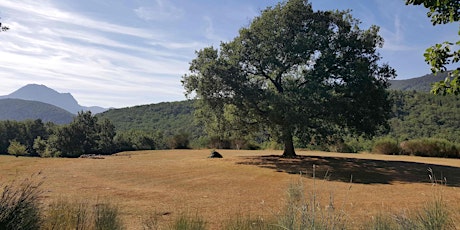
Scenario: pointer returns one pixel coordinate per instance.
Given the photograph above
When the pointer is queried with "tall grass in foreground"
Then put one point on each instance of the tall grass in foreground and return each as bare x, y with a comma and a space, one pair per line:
187, 222
307, 212
62, 214
19, 204
246, 222
434, 215
67, 215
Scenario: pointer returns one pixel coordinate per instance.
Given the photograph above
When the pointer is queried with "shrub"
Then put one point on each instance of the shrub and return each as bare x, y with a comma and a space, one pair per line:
17, 149
359, 144
180, 141
19, 205
430, 147
386, 146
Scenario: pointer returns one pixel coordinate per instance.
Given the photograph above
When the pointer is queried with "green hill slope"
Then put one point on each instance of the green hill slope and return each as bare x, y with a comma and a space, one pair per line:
169, 118
19, 110
416, 115
422, 84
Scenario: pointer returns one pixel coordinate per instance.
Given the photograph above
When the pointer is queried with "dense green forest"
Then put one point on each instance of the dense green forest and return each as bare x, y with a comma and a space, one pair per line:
163, 121
167, 117
416, 115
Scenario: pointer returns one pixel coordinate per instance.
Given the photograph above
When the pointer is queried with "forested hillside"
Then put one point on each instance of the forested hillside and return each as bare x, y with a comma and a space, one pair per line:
416, 115
422, 84
169, 118
19, 110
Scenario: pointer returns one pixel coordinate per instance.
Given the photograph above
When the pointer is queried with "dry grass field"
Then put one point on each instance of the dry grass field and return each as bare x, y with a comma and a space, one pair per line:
248, 183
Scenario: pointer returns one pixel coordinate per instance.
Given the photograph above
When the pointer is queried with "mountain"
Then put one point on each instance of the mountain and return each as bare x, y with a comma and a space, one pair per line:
19, 110
41, 93
422, 84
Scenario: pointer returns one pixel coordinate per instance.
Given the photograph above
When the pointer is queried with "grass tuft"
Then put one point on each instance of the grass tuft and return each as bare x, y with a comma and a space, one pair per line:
19, 204
307, 212
188, 222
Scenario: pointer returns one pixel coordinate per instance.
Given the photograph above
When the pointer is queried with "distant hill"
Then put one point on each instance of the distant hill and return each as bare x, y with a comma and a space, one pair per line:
170, 118
19, 110
422, 84
35, 92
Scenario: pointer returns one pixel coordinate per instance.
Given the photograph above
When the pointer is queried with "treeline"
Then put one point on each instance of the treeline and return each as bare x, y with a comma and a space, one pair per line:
169, 125
86, 134
415, 115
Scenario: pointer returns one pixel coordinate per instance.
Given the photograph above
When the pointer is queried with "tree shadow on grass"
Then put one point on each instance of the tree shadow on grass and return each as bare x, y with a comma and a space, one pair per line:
363, 171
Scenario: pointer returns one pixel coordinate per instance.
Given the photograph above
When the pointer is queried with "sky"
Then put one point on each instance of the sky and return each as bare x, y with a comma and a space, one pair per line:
122, 53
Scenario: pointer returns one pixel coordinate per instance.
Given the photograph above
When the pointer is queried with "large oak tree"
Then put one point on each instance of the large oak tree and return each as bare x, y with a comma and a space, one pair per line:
296, 72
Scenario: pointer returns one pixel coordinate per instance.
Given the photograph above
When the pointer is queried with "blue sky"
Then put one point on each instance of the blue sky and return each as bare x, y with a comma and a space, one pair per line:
119, 53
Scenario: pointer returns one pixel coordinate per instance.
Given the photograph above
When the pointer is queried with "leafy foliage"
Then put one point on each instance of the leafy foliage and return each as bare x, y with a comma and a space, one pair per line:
418, 115
17, 149
295, 72
440, 55
22, 132
386, 146
430, 147
136, 140
159, 122
85, 135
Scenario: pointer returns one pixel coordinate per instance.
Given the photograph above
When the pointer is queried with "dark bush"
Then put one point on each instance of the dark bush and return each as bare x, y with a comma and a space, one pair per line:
386, 146
430, 147
180, 141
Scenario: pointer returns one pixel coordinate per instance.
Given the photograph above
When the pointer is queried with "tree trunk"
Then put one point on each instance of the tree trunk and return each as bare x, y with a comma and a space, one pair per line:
289, 151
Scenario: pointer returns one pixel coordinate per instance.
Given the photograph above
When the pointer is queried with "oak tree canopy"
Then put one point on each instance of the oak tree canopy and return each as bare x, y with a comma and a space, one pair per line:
295, 72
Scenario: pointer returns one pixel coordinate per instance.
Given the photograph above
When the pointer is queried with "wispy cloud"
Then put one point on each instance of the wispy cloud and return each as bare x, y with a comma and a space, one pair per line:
160, 11
72, 52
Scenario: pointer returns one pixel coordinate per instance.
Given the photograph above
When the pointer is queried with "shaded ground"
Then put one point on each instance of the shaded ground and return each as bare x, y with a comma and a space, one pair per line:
365, 171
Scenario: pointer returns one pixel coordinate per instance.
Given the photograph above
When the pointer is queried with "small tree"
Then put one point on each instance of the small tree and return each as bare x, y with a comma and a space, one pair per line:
84, 135
105, 142
17, 149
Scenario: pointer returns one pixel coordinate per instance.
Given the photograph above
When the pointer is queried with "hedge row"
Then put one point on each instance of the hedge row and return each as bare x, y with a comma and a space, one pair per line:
425, 147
